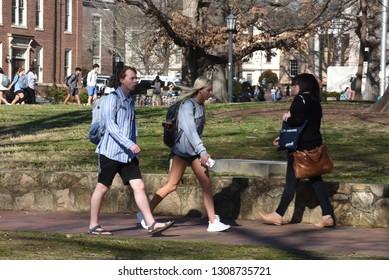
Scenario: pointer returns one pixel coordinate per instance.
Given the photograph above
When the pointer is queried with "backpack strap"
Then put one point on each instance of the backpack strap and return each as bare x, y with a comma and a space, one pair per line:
194, 106
118, 101
118, 104
191, 101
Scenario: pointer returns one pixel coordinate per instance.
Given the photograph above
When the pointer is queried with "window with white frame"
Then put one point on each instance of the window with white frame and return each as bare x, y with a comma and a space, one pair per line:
250, 78
96, 41
68, 15
39, 14
68, 62
39, 61
19, 12
293, 68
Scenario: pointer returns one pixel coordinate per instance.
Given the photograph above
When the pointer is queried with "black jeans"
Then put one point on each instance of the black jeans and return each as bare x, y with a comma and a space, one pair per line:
290, 191
29, 96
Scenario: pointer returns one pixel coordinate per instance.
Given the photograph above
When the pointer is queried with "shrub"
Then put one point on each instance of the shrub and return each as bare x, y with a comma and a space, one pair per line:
261, 96
236, 90
57, 94
326, 94
270, 76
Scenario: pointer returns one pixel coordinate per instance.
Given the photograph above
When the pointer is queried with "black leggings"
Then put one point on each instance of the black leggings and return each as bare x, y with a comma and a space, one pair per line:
290, 191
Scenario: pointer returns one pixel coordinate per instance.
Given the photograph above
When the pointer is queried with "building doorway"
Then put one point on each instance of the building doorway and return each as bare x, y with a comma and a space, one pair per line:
16, 64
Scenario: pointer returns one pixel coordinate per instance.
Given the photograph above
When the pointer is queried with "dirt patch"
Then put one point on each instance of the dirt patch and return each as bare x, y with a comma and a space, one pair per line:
332, 112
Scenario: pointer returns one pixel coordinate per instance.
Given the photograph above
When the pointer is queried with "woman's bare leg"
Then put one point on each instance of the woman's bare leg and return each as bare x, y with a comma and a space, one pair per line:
175, 175
202, 175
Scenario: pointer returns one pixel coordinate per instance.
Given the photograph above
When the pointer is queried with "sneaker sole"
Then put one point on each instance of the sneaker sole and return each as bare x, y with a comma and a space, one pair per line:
218, 230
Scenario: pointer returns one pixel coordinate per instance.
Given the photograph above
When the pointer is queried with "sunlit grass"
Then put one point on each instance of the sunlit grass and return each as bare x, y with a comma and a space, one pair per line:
55, 137
54, 246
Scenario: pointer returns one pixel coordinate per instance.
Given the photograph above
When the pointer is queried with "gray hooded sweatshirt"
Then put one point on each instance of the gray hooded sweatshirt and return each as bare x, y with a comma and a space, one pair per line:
191, 120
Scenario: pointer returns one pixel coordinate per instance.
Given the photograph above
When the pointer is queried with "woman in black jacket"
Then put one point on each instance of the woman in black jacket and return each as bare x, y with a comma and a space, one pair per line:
305, 106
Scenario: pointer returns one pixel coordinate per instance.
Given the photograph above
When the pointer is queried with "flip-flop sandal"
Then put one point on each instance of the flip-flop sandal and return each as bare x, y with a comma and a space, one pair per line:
98, 230
153, 230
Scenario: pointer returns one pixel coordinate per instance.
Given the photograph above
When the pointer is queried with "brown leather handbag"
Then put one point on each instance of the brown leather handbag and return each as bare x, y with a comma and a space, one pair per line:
312, 163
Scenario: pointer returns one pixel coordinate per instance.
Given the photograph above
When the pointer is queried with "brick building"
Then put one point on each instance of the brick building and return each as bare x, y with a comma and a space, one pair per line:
44, 34
54, 36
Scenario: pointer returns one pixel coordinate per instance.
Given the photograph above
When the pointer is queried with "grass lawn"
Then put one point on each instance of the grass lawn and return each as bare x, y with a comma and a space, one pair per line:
54, 137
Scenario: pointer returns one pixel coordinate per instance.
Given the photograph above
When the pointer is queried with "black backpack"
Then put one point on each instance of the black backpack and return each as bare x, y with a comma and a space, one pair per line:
84, 80
170, 127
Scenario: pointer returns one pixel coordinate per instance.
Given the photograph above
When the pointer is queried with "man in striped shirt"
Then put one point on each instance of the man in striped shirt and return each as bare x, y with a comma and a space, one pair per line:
118, 153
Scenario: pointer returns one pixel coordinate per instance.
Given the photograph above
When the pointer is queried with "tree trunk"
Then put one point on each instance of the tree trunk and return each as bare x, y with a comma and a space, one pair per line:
363, 42
195, 64
146, 63
219, 84
372, 87
382, 105
189, 66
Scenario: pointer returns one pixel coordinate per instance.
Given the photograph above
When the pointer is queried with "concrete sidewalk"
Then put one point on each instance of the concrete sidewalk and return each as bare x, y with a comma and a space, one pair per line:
345, 240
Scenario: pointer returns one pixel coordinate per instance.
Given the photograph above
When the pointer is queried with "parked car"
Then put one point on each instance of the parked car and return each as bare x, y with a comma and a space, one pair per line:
103, 85
144, 85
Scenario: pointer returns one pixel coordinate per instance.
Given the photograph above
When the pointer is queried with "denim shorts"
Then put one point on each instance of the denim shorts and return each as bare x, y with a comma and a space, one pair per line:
91, 90
73, 91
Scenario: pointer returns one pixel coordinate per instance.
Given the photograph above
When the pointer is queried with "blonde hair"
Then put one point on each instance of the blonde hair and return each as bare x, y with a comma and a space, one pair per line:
200, 83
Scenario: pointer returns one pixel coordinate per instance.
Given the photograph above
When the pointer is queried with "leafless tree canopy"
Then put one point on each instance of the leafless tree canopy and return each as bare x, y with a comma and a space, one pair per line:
198, 26
201, 24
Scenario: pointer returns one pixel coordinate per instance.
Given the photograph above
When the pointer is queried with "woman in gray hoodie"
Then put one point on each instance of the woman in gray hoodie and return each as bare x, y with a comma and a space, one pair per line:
190, 150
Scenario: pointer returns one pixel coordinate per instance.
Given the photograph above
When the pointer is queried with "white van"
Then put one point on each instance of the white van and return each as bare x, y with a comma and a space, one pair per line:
171, 80
166, 81
102, 84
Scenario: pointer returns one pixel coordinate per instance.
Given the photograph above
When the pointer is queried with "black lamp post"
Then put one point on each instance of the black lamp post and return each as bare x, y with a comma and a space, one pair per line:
231, 22
115, 71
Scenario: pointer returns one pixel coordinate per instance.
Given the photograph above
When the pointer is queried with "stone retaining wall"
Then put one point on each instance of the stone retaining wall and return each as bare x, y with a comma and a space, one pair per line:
360, 205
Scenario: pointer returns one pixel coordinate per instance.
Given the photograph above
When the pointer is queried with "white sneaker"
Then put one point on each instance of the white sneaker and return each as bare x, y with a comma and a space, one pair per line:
141, 219
217, 226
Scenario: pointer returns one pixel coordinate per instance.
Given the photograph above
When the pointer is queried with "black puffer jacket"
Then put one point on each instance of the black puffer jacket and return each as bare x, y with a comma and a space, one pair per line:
305, 107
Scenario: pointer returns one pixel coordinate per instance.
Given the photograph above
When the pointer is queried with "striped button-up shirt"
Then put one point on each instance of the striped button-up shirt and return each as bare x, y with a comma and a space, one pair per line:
120, 128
